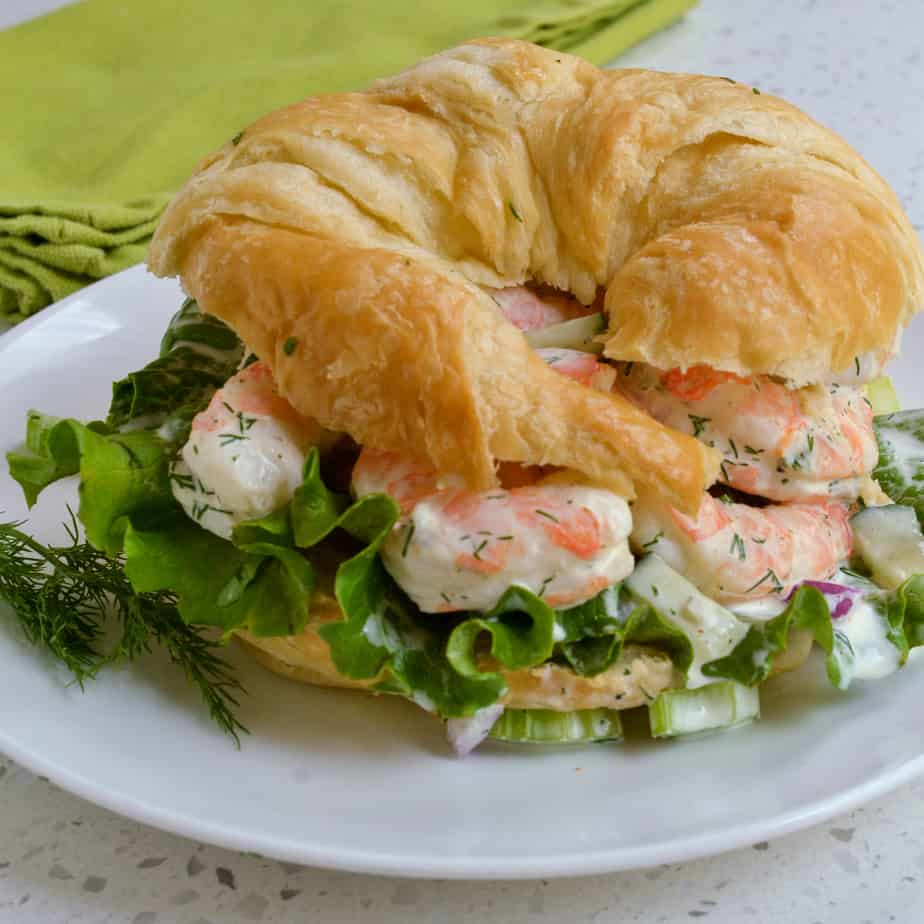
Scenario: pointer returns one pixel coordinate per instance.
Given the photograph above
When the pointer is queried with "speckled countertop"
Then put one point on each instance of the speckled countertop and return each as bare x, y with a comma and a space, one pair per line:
854, 64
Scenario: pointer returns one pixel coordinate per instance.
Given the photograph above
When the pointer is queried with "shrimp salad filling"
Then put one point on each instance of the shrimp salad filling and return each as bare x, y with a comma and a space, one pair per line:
534, 611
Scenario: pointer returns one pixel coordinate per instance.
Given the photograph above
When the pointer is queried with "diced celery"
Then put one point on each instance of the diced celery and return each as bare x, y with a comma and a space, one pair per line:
545, 726
882, 395
712, 629
577, 334
889, 541
718, 705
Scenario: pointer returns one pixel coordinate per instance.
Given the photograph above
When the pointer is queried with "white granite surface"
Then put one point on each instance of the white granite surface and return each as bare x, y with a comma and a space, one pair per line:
854, 64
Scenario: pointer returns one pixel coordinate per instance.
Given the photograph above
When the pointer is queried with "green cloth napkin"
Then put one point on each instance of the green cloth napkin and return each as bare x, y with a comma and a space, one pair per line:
107, 106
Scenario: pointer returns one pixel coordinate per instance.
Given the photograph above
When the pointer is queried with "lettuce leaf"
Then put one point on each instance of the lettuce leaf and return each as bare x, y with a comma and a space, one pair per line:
524, 632
752, 659
903, 609
596, 631
121, 474
198, 354
260, 586
521, 628
900, 471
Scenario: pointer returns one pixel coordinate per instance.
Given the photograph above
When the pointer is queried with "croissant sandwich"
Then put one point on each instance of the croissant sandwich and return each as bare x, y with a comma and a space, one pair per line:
532, 392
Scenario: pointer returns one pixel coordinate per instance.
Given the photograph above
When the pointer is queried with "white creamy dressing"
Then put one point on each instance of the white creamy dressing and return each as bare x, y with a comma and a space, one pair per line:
906, 451
381, 634
760, 610
865, 628
143, 422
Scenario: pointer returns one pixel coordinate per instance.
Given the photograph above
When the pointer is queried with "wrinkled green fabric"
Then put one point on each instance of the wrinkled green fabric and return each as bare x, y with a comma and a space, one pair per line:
107, 106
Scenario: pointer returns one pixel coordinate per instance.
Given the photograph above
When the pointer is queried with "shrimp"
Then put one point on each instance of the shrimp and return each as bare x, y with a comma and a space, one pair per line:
245, 453
454, 549
528, 310
735, 552
575, 364
779, 443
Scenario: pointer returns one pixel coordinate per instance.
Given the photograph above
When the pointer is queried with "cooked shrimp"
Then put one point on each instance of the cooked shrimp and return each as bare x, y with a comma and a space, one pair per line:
735, 552
245, 453
528, 310
582, 367
454, 549
784, 444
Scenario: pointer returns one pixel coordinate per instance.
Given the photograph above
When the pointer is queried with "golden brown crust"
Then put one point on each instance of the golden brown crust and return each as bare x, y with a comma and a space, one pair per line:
775, 261
415, 359
727, 228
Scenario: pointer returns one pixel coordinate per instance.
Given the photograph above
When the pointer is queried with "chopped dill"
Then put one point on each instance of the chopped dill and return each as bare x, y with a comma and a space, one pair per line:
699, 423
547, 515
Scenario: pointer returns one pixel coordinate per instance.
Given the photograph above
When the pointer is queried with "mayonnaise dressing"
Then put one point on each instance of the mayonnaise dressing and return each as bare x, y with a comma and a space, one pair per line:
865, 627
761, 610
906, 452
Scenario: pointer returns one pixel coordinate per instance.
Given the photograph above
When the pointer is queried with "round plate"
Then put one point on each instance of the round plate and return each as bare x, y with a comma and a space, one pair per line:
339, 779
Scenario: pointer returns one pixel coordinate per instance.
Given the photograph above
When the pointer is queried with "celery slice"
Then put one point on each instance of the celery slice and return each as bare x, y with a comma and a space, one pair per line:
882, 395
713, 629
577, 334
890, 542
718, 705
545, 726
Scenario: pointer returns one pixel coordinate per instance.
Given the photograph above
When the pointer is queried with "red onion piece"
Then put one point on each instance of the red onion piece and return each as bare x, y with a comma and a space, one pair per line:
840, 597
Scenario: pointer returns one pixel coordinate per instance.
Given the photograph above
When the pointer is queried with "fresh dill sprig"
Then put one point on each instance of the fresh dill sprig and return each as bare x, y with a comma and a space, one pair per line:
63, 597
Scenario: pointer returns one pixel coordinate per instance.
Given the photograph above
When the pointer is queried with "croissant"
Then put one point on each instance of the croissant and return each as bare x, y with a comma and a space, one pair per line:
359, 227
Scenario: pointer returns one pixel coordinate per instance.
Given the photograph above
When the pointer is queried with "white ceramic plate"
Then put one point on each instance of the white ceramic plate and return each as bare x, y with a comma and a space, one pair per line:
335, 779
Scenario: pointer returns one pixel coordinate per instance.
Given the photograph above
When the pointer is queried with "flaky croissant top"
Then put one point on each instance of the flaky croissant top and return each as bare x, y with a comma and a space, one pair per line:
725, 226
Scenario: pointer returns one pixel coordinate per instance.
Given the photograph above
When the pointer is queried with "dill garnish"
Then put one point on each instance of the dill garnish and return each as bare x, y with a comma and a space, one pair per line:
737, 548
769, 575
407, 539
64, 596
547, 515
